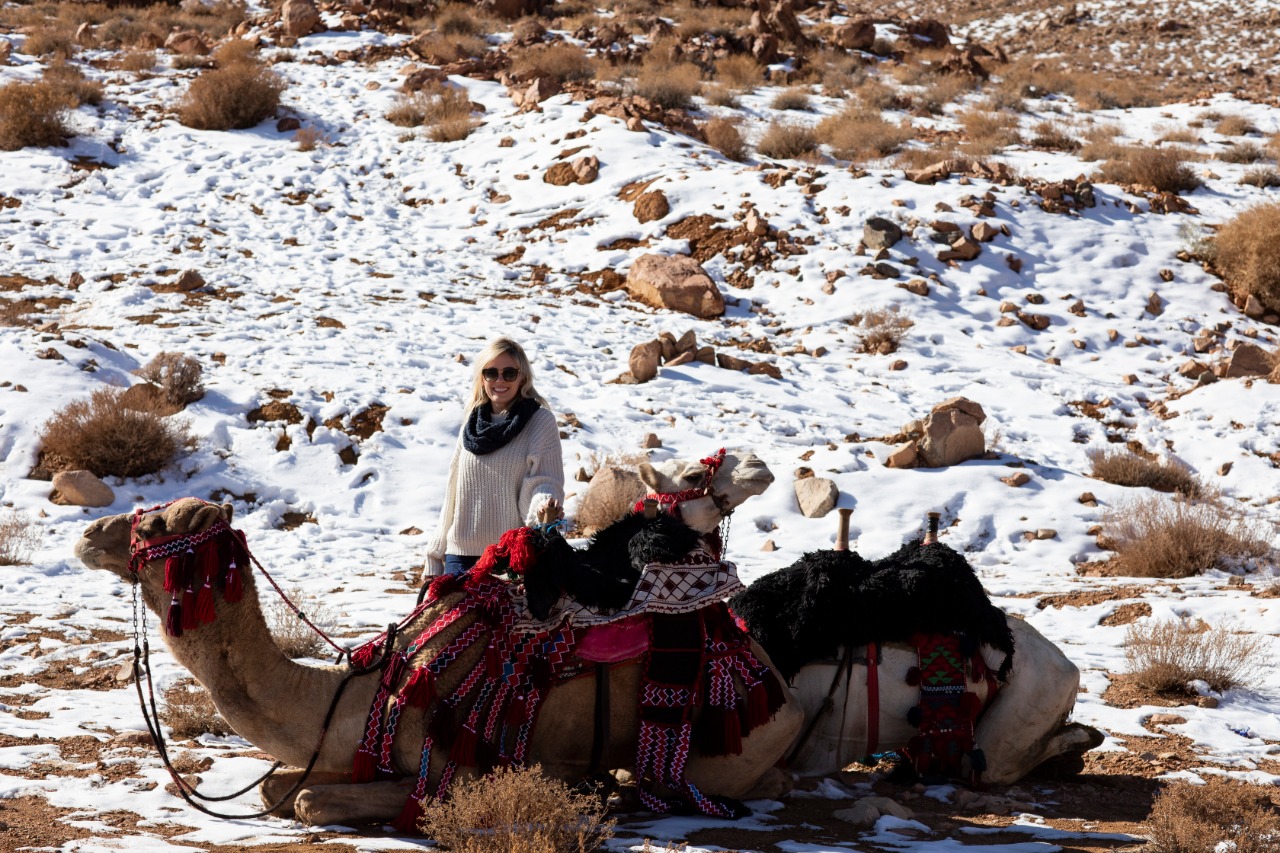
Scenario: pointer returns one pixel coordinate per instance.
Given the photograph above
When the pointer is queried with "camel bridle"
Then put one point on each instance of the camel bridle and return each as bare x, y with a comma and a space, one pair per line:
141, 553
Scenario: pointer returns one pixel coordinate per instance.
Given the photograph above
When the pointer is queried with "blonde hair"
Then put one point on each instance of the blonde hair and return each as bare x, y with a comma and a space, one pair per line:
495, 348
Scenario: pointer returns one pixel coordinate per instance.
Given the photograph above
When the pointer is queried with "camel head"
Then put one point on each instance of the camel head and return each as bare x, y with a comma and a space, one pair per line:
738, 478
105, 543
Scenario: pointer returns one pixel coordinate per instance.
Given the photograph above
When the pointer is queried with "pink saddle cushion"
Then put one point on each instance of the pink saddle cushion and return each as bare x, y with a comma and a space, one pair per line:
615, 641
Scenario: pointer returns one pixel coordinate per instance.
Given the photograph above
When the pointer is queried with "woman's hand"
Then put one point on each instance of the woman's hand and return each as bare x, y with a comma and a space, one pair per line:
551, 511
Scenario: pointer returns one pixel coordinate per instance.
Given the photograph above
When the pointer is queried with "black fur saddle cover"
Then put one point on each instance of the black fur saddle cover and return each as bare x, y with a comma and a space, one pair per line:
827, 599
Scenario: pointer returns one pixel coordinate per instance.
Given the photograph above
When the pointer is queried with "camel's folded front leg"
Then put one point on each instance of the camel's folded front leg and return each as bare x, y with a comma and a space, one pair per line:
278, 794
352, 803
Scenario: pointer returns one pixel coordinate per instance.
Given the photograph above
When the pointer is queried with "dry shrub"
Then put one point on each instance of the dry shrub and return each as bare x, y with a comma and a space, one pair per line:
874, 95
988, 130
1220, 815
19, 537
1246, 252
560, 61
740, 72
136, 61
1263, 177
55, 37
31, 114
307, 138
945, 90
881, 330
104, 435
1054, 136
783, 141
1181, 135
668, 86
1235, 125
1167, 655
841, 74
859, 132
189, 712
1160, 169
442, 49
443, 109
723, 135
791, 98
920, 158
516, 811
238, 94
76, 89
720, 95
188, 61
459, 19
294, 637
711, 20
1242, 152
179, 377
1033, 78
1126, 467
1178, 537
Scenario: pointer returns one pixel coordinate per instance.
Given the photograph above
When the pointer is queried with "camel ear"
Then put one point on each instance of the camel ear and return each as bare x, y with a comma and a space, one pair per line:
227, 511
649, 476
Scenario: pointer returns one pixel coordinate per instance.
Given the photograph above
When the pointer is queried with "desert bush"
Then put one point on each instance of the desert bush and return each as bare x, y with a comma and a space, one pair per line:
104, 435
31, 115
1263, 177
459, 19
874, 95
136, 61
1242, 152
1179, 135
1161, 169
441, 49
1054, 136
236, 52
1036, 78
307, 138
189, 712
234, 96
791, 98
740, 72
923, 157
944, 90
859, 132
881, 330
19, 537
720, 95
54, 37
516, 811
783, 141
294, 637
711, 20
1235, 125
1177, 537
1246, 251
723, 135
443, 109
1168, 655
1126, 467
668, 86
69, 80
560, 61
840, 74
188, 61
987, 130
179, 377
1219, 815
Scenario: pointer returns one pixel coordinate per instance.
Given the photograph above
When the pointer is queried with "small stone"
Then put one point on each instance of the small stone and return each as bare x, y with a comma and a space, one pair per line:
81, 488
918, 286
898, 364
1166, 275
1088, 499
1225, 468
1166, 720
904, 456
1046, 533
1207, 701
768, 545
651, 441
1021, 478
189, 280
506, 142
880, 233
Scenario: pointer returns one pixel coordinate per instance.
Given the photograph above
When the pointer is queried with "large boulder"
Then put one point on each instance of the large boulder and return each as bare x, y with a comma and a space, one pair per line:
952, 433
1248, 360
675, 282
859, 35
81, 488
816, 496
300, 18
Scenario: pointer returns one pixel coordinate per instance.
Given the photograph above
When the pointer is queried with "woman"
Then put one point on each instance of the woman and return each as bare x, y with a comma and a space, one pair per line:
506, 468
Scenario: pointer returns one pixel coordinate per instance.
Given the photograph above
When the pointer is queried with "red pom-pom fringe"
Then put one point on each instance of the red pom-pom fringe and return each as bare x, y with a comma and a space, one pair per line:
409, 816
172, 570
173, 622
364, 767
189, 620
235, 584
204, 605
419, 690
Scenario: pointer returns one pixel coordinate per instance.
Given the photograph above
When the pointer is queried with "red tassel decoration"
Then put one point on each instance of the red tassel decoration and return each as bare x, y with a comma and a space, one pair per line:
235, 584
173, 622
520, 548
204, 604
362, 656
364, 767
189, 621
489, 559
172, 583
407, 822
758, 712
464, 748
419, 690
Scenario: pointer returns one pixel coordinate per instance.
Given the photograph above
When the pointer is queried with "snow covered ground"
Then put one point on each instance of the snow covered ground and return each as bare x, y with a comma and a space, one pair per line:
366, 272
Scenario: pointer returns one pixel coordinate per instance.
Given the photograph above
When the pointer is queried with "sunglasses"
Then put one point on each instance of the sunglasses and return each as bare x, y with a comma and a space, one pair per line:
508, 374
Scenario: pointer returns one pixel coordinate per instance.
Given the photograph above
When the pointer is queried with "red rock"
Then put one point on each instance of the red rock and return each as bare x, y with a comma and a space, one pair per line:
675, 282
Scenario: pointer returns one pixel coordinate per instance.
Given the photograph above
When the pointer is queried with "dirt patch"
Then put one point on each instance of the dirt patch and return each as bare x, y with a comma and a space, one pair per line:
1126, 614
1089, 597
706, 240
1124, 691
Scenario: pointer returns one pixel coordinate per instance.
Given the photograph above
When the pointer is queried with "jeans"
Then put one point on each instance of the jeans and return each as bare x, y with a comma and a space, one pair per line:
456, 564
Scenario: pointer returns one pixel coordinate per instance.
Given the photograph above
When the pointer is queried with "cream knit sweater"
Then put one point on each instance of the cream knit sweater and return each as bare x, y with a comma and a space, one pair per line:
491, 494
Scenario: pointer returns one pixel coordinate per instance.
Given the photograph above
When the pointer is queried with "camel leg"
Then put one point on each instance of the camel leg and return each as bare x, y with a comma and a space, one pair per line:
1026, 724
352, 803
274, 791
775, 784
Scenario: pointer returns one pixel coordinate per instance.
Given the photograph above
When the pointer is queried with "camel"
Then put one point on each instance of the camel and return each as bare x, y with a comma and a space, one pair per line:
279, 704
